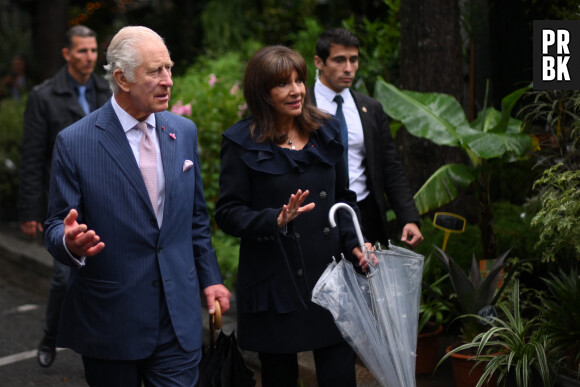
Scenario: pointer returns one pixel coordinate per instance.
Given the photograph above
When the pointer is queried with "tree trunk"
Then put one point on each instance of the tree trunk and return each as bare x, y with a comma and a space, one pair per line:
49, 24
431, 61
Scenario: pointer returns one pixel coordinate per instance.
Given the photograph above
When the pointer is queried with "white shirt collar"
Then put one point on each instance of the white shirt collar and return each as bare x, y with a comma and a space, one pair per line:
329, 94
128, 122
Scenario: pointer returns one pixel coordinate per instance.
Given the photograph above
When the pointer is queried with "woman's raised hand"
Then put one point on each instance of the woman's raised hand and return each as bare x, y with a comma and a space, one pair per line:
294, 208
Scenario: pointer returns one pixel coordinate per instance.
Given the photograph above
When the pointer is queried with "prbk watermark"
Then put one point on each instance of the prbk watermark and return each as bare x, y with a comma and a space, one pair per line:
556, 54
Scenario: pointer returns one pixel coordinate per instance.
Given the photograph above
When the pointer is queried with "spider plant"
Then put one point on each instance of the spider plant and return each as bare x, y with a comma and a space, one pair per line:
521, 348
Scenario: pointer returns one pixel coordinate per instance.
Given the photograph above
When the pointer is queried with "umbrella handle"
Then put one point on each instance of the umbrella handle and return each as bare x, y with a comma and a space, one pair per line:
345, 206
216, 318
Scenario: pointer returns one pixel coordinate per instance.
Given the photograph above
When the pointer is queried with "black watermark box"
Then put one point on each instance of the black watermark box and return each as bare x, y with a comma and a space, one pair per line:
556, 54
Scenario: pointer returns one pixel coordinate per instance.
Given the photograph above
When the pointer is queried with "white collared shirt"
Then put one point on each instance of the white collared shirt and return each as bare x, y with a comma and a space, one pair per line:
134, 136
356, 142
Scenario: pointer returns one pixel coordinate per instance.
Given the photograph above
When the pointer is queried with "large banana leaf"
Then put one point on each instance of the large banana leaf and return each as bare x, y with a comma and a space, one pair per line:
441, 119
441, 188
432, 116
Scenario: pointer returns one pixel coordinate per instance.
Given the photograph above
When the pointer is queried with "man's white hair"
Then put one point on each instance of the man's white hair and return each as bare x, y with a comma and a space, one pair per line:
124, 54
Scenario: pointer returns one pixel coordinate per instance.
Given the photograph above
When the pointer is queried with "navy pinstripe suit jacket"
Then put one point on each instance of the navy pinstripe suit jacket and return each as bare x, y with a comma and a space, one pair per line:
111, 309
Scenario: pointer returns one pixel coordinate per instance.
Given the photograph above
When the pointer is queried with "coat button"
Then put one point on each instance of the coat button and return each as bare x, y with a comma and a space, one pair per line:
326, 230
297, 235
155, 283
323, 195
299, 272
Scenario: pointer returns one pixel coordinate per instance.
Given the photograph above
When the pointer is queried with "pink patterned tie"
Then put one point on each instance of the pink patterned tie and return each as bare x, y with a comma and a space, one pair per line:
148, 163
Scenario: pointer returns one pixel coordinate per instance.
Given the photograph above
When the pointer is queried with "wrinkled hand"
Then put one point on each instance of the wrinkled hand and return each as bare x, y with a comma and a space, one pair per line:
411, 235
31, 227
80, 241
293, 209
362, 261
217, 292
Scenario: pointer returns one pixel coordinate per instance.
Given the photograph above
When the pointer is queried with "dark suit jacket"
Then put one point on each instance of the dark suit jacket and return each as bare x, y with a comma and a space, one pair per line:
50, 107
384, 171
277, 271
111, 309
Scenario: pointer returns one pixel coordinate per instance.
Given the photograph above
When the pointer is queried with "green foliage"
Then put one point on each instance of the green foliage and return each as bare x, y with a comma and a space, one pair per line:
473, 292
305, 43
514, 345
11, 115
229, 23
227, 250
553, 116
558, 220
379, 45
513, 229
212, 89
562, 315
441, 119
434, 306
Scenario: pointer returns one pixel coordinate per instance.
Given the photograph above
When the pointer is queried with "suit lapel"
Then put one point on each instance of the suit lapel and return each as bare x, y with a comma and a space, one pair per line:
115, 143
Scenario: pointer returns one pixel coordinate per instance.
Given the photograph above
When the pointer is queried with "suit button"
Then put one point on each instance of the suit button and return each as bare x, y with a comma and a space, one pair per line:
154, 222
326, 230
155, 283
323, 195
297, 235
299, 272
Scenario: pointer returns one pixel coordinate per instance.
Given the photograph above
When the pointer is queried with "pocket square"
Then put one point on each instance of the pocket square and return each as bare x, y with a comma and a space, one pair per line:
187, 164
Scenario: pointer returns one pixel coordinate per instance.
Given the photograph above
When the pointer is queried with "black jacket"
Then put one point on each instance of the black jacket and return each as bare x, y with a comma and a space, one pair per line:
278, 270
51, 107
386, 178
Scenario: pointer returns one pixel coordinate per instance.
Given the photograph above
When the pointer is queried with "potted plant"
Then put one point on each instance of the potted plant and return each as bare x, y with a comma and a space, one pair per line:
474, 295
526, 354
434, 311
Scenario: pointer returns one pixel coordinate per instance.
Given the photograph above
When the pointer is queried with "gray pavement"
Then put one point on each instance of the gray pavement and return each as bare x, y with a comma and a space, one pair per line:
30, 256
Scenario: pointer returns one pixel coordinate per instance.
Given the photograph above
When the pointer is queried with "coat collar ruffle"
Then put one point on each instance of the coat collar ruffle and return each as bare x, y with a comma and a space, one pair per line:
324, 147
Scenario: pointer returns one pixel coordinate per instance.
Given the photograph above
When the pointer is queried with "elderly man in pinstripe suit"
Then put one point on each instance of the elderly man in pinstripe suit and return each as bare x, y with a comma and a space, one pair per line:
141, 256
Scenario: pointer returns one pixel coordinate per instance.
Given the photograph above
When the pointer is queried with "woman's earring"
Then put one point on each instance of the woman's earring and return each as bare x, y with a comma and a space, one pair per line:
317, 74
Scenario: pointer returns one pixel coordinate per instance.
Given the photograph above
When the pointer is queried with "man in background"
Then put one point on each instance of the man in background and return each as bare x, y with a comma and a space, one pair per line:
374, 169
52, 106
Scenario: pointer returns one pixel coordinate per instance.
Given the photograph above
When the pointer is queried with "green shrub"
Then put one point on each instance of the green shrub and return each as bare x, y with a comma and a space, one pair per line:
209, 93
11, 114
558, 220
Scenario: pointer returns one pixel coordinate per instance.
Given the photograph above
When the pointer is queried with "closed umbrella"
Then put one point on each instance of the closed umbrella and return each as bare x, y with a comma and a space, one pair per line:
376, 313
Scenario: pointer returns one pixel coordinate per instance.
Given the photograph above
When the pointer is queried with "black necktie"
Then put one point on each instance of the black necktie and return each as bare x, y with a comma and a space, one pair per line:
343, 128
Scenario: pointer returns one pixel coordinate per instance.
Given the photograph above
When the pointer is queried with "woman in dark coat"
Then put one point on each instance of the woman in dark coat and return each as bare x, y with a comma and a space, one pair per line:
282, 169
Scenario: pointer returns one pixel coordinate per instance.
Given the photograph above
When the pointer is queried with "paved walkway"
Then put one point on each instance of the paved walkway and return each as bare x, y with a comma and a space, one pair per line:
32, 255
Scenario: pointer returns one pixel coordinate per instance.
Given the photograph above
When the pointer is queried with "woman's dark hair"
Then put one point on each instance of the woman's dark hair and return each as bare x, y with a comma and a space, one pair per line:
268, 67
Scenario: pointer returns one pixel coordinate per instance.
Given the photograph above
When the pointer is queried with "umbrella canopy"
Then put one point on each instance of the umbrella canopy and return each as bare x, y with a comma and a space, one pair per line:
378, 313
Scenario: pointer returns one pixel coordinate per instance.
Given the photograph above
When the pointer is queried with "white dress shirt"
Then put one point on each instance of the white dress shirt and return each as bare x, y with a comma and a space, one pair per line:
134, 136
356, 142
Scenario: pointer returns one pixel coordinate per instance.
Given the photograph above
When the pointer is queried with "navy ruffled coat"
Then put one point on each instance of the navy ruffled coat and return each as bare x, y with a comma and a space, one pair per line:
278, 268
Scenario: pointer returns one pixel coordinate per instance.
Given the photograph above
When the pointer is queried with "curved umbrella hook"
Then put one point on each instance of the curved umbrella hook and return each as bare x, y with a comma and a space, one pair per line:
332, 221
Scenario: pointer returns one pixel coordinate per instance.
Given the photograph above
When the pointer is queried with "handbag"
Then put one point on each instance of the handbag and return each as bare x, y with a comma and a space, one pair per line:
222, 363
